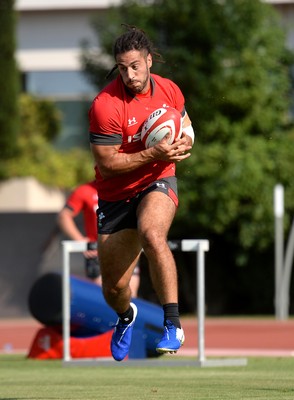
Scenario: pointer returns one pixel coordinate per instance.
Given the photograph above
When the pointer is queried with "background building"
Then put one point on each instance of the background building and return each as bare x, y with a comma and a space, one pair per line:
49, 38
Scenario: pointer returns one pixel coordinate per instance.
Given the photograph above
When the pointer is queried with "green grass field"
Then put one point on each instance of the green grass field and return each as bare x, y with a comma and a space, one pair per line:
262, 378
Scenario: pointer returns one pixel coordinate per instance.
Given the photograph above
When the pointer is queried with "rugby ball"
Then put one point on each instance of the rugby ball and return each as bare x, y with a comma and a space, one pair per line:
160, 123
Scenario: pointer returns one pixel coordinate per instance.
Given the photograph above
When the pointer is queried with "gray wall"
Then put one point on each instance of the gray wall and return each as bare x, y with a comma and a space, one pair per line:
30, 245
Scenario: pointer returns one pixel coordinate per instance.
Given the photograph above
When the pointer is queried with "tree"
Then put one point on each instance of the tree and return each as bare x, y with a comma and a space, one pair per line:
230, 59
9, 81
233, 66
36, 156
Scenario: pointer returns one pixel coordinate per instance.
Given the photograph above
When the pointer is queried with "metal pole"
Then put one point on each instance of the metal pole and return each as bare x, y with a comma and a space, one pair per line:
200, 247
201, 302
68, 247
279, 240
286, 278
65, 303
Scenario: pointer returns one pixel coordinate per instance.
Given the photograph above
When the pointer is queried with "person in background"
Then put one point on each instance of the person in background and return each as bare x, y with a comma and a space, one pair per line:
137, 187
84, 199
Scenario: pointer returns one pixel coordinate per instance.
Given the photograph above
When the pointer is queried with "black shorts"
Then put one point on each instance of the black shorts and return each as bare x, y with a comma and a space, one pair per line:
114, 216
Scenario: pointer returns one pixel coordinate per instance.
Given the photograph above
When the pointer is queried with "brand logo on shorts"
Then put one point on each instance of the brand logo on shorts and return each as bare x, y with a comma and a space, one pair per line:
100, 218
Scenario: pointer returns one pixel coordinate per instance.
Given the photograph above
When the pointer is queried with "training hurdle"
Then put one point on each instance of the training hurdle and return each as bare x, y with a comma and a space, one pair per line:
185, 245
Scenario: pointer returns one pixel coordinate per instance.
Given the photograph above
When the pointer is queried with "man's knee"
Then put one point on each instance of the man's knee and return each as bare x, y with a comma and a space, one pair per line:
153, 241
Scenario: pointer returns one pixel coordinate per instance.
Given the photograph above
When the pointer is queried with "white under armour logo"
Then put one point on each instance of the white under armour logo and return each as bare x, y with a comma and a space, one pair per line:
132, 121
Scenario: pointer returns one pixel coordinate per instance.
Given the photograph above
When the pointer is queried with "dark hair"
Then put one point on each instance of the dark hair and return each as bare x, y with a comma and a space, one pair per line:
133, 39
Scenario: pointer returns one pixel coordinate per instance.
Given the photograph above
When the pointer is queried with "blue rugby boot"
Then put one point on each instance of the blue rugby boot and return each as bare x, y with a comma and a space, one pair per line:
173, 338
122, 337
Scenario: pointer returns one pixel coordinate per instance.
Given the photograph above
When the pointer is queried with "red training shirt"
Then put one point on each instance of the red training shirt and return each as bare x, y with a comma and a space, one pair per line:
116, 117
85, 199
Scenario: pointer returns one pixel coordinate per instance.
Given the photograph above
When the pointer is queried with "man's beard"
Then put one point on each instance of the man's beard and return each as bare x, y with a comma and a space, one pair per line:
139, 89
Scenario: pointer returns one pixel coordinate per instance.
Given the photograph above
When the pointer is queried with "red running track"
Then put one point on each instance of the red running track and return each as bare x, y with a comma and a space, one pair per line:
223, 336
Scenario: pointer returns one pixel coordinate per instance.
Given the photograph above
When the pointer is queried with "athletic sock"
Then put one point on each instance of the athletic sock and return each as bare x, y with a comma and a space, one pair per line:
127, 316
171, 313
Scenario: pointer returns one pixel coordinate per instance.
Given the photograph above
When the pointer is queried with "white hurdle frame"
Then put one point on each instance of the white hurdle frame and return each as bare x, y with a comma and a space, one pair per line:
186, 245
